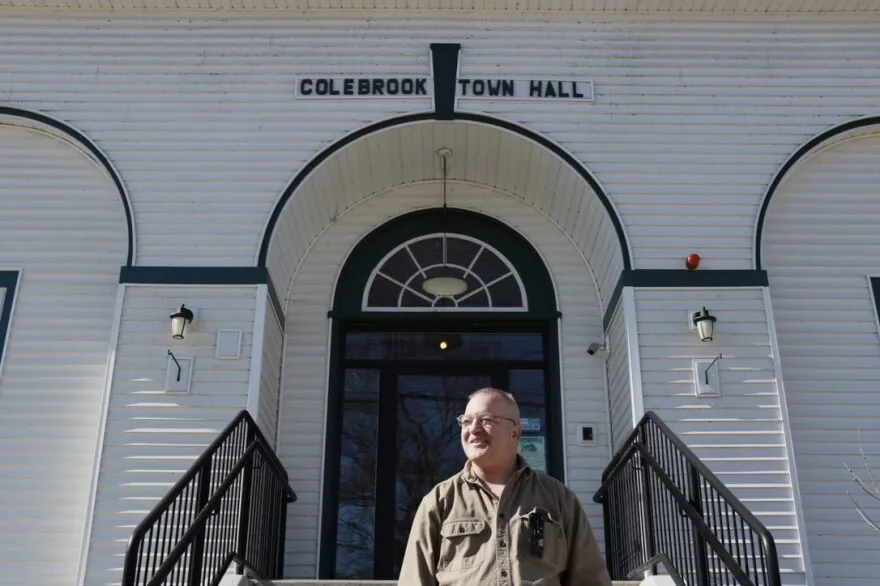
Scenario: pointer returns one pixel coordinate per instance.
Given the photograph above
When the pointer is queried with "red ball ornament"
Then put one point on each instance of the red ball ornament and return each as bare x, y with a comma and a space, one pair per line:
692, 261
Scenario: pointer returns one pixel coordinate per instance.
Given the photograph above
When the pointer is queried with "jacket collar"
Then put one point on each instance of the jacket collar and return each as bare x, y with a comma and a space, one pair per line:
522, 469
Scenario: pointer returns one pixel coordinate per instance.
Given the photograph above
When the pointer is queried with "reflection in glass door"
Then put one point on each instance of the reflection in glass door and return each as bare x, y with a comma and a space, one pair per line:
357, 470
428, 447
399, 437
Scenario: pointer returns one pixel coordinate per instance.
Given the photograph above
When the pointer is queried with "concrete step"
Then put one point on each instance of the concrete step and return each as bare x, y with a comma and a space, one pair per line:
365, 583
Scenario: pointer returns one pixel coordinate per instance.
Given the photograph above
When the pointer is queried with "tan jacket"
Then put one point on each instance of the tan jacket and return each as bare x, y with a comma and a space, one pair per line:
463, 535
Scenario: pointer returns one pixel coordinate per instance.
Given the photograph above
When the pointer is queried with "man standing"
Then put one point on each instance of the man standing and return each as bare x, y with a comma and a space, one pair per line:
498, 522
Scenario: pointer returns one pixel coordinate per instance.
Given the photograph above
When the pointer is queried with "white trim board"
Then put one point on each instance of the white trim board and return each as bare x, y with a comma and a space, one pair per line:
637, 395
789, 444
253, 393
101, 432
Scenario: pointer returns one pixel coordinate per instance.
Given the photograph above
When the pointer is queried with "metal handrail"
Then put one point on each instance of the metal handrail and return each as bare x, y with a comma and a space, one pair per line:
216, 497
661, 502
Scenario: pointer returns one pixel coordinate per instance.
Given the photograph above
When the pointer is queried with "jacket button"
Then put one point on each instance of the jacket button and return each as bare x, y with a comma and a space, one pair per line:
503, 573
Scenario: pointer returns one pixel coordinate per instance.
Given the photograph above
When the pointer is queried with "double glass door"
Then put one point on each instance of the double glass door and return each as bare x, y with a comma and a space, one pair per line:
399, 437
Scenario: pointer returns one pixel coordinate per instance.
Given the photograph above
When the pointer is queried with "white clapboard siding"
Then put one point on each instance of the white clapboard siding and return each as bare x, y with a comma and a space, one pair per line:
270, 375
619, 390
552, 8
305, 370
153, 437
63, 224
821, 240
739, 435
691, 119
481, 154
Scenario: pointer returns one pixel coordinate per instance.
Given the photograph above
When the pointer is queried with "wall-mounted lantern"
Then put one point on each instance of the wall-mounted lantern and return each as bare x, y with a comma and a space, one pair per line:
179, 322
704, 323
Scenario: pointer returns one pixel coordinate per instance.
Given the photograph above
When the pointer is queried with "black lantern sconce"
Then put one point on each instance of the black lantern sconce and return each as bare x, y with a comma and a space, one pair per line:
179, 321
704, 323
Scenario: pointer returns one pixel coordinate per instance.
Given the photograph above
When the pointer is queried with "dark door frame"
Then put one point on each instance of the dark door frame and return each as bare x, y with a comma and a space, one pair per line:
347, 315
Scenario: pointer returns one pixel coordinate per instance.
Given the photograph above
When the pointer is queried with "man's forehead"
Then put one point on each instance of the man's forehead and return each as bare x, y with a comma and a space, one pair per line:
487, 402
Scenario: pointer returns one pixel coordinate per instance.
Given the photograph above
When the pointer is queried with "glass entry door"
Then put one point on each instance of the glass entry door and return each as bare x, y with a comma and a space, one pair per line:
399, 435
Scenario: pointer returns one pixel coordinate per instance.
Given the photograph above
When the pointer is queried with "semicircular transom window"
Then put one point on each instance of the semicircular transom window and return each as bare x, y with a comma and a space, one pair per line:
492, 282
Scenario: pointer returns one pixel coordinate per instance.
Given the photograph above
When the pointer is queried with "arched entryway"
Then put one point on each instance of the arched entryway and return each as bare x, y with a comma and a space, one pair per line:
352, 193
404, 361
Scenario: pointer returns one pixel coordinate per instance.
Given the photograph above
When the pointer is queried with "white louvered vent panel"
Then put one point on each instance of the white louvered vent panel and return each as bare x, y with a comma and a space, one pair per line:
820, 242
63, 223
304, 385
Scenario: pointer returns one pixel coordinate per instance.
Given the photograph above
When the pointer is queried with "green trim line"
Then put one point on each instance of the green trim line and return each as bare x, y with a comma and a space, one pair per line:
802, 152
9, 282
90, 147
683, 279
204, 276
613, 302
430, 116
488, 318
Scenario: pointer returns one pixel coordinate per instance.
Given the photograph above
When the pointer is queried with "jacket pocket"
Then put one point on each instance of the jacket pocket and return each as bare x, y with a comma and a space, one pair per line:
462, 544
537, 566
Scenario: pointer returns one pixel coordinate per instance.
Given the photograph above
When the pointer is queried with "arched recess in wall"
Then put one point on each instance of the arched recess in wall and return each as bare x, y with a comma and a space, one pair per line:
819, 241
819, 142
37, 121
63, 235
487, 151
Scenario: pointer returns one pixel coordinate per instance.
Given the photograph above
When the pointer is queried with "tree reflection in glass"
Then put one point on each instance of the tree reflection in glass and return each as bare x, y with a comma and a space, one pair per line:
428, 444
355, 534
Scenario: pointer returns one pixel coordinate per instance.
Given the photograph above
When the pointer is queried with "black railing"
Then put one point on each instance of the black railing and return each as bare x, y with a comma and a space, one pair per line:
662, 505
230, 506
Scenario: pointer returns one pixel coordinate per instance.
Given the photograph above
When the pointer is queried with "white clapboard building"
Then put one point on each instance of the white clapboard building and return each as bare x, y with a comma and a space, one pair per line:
360, 210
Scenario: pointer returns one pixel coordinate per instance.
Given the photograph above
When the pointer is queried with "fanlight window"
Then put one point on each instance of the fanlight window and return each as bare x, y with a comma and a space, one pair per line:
396, 283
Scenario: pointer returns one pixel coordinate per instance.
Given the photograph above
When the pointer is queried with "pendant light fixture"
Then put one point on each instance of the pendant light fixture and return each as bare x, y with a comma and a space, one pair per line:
446, 283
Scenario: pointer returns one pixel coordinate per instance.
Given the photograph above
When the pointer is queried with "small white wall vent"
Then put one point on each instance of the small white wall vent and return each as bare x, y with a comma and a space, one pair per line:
178, 375
707, 379
228, 344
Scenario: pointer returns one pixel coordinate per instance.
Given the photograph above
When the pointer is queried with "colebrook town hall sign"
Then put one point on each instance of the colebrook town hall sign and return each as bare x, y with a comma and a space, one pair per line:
444, 64
380, 87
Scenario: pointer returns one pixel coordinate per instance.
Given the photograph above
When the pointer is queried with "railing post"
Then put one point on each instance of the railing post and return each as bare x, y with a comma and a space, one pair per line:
282, 530
611, 531
701, 555
197, 557
244, 509
647, 503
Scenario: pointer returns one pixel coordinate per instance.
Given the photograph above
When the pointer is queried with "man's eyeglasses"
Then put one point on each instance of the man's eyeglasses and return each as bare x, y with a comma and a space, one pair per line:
484, 419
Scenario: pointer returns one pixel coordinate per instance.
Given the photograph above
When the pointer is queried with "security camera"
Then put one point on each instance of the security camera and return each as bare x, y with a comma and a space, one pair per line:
592, 348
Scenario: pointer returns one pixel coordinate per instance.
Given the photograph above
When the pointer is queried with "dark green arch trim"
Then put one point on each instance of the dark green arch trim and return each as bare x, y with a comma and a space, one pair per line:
9, 282
681, 279
375, 245
89, 146
430, 116
204, 276
791, 162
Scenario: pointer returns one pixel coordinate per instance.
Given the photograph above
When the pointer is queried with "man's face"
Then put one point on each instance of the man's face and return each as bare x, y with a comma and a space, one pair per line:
492, 438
